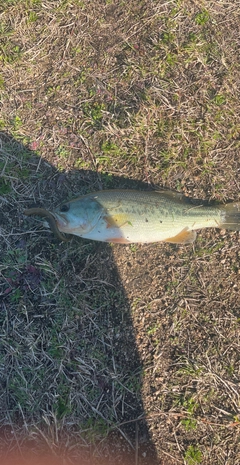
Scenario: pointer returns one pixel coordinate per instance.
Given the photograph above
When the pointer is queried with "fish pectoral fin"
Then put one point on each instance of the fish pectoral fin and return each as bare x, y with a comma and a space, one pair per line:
109, 220
116, 221
186, 236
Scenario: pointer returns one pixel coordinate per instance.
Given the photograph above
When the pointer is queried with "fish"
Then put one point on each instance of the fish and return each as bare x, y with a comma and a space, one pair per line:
134, 216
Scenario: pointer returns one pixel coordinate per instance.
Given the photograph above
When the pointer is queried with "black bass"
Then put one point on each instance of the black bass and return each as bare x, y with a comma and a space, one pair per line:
126, 216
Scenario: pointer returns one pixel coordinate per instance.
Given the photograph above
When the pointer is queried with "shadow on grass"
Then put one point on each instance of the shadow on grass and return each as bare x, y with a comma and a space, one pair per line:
71, 372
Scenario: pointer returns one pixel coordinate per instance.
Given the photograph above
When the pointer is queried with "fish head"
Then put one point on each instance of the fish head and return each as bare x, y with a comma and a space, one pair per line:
78, 216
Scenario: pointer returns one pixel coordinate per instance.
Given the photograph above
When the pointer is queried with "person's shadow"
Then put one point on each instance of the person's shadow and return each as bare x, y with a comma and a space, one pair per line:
71, 369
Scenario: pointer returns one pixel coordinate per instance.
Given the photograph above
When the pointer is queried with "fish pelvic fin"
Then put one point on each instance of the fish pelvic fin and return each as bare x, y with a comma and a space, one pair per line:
118, 240
231, 216
186, 236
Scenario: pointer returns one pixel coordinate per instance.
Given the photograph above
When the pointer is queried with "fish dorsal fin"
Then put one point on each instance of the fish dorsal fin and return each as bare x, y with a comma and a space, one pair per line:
186, 236
174, 195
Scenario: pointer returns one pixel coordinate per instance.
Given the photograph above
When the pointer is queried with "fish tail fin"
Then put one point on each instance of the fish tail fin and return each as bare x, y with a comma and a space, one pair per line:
231, 216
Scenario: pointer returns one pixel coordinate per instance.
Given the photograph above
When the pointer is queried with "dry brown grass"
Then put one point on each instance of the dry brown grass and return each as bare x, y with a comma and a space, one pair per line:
119, 351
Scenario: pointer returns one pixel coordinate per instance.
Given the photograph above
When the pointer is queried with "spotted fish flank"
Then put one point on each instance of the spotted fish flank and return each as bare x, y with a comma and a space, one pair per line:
127, 216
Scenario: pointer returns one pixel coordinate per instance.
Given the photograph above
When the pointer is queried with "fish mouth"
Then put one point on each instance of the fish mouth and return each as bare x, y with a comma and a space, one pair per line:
70, 228
60, 220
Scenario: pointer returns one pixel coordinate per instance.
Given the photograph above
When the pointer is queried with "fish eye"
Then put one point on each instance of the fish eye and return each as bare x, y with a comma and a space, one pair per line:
64, 208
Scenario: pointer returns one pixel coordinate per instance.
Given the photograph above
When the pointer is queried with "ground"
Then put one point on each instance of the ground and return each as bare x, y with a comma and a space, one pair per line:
112, 353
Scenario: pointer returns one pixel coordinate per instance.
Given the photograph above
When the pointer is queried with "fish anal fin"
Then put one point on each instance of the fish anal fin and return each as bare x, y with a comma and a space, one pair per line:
186, 236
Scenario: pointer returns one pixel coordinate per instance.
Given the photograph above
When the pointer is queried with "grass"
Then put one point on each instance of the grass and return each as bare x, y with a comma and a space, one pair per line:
131, 352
